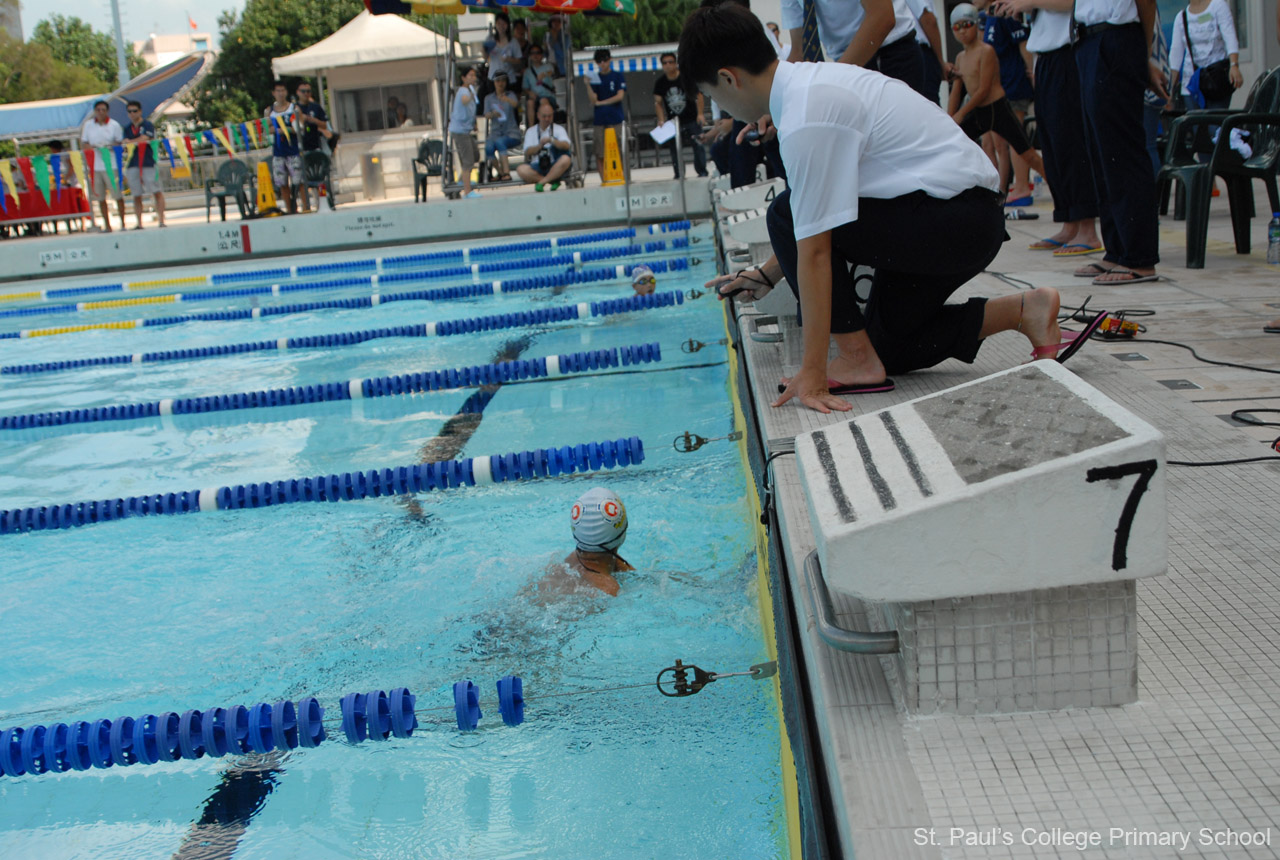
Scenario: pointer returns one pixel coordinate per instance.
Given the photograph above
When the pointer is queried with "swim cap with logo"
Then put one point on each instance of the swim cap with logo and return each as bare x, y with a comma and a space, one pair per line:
599, 521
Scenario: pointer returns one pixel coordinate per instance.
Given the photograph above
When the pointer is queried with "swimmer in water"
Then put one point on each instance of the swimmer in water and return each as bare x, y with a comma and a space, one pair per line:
643, 281
599, 523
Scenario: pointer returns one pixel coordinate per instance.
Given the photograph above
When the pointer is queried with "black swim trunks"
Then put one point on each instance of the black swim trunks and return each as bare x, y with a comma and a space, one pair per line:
1000, 118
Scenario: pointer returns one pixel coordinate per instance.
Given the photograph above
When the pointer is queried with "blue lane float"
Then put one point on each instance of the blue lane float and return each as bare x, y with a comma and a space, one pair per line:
346, 486
351, 278
469, 325
533, 282
498, 373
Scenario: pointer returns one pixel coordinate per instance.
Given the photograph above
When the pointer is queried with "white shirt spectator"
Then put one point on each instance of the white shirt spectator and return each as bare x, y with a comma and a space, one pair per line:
847, 132
536, 133
839, 20
918, 8
95, 134
1213, 37
1049, 31
1090, 12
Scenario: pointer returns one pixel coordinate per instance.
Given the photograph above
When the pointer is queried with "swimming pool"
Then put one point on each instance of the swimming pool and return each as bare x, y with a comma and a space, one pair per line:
166, 613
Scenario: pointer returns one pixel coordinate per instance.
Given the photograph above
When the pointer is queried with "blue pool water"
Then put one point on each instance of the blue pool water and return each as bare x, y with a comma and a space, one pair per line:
235, 607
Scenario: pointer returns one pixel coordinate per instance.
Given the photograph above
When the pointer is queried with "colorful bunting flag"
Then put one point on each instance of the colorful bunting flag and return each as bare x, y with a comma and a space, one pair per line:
247, 131
4, 189
24, 164
155, 157
105, 154
284, 128
80, 162
168, 148
183, 148
118, 151
258, 125
220, 134
41, 169
55, 161
6, 173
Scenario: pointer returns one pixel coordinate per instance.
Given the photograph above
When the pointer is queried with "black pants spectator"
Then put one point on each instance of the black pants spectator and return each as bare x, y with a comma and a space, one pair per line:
1062, 143
921, 257
932, 79
689, 133
1112, 67
901, 60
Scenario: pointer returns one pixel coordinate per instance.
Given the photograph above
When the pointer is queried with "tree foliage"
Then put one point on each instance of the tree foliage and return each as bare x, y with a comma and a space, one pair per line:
29, 72
655, 21
75, 42
239, 85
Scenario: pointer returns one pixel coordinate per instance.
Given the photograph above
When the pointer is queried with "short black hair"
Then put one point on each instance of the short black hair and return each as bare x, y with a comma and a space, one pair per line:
275, 84
603, 54
666, 54
101, 102
720, 34
133, 103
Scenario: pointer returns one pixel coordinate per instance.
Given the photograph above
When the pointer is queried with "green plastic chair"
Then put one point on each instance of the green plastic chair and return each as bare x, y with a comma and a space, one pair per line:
430, 162
1260, 117
317, 173
232, 177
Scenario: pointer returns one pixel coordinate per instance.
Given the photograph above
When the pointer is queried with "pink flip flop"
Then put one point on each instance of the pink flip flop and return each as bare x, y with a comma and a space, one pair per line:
1073, 342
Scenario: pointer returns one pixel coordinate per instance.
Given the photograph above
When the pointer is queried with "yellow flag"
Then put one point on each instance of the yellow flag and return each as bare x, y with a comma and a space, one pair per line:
283, 127
224, 139
253, 133
6, 171
128, 154
77, 164
178, 145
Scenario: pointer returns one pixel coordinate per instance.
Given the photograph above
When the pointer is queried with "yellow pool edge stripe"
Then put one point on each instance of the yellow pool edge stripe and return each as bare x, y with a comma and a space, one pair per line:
790, 781
120, 303
68, 329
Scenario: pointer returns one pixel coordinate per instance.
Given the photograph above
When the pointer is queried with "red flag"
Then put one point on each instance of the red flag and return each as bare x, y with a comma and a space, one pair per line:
258, 124
192, 22
191, 151
24, 164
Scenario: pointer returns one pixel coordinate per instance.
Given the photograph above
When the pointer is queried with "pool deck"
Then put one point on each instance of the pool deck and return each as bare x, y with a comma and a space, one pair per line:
1201, 746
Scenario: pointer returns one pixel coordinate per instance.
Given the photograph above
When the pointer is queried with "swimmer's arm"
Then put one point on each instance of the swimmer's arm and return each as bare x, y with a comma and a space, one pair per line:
877, 23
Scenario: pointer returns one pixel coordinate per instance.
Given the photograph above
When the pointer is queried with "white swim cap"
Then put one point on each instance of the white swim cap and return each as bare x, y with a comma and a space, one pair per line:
964, 12
642, 277
599, 521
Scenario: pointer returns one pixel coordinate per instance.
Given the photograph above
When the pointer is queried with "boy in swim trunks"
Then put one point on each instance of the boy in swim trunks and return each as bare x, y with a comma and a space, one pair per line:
986, 109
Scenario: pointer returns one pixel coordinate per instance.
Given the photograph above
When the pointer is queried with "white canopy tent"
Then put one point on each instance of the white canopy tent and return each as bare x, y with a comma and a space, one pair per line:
364, 39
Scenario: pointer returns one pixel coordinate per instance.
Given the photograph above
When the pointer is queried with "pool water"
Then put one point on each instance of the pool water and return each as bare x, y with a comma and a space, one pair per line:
195, 611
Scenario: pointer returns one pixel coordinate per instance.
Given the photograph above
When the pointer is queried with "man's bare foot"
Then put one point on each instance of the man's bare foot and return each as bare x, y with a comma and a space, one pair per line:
1040, 318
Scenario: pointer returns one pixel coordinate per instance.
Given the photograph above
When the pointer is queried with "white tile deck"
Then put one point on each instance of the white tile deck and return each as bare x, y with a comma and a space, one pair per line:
1201, 747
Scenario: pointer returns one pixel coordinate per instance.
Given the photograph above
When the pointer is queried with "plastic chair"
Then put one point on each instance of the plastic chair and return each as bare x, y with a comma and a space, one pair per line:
1260, 117
430, 162
317, 173
231, 180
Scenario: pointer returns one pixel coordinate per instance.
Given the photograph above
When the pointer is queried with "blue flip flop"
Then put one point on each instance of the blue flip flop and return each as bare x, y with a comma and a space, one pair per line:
1020, 201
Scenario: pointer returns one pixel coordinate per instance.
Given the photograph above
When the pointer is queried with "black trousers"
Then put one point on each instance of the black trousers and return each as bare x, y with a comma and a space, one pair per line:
923, 249
901, 60
932, 78
1066, 155
1112, 67
689, 133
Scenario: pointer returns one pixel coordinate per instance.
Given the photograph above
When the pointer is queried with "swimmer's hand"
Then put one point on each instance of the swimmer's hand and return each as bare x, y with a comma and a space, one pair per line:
763, 128
746, 281
810, 386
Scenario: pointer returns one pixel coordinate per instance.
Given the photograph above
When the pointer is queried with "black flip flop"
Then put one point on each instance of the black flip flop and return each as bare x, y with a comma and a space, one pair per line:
1080, 339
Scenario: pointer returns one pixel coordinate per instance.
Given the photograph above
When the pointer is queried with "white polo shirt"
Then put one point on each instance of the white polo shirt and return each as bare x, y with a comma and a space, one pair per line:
95, 134
846, 132
839, 20
1049, 31
918, 8
1090, 12
535, 134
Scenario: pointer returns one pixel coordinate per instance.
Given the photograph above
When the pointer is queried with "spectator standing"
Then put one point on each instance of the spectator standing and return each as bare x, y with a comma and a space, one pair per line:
1062, 144
141, 169
538, 81
1153, 104
520, 35
1213, 39
546, 151
606, 89
675, 98
1007, 34
929, 42
1113, 50
313, 120
286, 161
555, 44
102, 130
462, 124
775, 34
875, 34
503, 51
502, 110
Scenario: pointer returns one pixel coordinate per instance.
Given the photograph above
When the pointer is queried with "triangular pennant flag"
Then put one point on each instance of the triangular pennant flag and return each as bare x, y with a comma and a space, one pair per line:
257, 123
128, 156
155, 156
55, 161
213, 141
24, 164
184, 152
284, 128
6, 172
168, 148
41, 169
79, 162
118, 151
105, 154
247, 130
187, 144
235, 135
220, 134
4, 192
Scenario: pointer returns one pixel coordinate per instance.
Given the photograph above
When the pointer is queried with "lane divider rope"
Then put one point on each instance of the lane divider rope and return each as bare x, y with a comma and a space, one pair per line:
444, 328
344, 486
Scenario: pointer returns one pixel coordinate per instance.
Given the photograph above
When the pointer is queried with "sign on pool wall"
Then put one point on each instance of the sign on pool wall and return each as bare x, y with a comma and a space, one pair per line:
369, 223
64, 256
